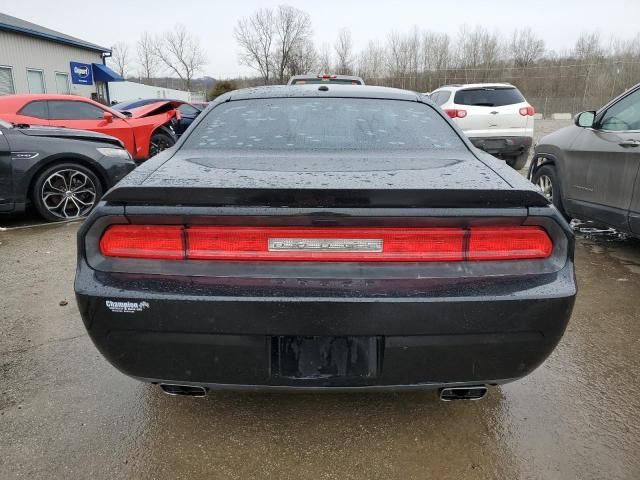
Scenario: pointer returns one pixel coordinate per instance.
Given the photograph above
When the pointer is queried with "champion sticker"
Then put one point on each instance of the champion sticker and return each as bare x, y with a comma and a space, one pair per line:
126, 307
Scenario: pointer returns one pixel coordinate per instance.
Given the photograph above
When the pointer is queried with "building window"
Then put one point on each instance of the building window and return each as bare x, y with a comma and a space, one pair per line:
62, 83
35, 80
6, 81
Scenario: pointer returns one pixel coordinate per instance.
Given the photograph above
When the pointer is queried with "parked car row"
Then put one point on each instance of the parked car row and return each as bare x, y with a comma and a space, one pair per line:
588, 170
315, 202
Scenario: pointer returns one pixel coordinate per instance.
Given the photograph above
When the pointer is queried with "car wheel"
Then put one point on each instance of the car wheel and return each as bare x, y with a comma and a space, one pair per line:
160, 141
518, 162
546, 179
65, 191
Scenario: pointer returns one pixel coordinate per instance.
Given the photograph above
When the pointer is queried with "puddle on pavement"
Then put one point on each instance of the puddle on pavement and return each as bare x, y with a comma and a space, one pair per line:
603, 240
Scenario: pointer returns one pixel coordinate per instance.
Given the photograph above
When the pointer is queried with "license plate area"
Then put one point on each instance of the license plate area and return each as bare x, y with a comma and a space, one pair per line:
325, 358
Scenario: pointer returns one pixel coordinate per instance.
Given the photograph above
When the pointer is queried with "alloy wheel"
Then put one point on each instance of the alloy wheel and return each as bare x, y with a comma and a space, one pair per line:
68, 193
546, 186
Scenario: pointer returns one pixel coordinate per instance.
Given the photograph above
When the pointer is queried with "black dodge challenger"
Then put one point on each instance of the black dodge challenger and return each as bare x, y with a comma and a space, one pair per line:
325, 237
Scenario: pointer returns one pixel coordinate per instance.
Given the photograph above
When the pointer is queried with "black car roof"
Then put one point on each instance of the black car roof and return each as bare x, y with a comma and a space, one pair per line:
325, 90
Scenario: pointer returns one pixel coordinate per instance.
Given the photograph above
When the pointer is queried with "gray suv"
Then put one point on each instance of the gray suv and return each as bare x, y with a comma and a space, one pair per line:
590, 170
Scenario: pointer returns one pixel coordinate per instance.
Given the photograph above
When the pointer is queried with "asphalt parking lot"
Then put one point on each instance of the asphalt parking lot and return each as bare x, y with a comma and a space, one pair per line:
65, 412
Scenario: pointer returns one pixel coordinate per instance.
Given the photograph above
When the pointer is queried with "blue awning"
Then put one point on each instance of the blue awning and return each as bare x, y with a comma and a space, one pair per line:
102, 73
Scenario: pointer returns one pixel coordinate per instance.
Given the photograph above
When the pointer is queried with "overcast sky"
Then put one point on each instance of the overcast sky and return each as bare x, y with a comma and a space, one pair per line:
559, 22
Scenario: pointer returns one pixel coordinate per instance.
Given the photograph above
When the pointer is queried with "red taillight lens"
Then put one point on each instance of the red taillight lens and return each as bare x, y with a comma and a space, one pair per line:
328, 244
455, 113
337, 244
144, 241
516, 243
527, 111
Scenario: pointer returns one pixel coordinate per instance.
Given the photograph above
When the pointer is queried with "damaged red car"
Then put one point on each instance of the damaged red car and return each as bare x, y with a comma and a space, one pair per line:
144, 132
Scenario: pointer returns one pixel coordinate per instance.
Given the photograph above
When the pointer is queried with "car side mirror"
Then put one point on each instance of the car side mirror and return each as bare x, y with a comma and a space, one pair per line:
108, 117
585, 119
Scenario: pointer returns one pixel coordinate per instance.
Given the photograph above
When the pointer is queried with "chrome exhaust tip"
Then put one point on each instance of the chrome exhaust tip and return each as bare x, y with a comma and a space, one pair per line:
450, 394
183, 390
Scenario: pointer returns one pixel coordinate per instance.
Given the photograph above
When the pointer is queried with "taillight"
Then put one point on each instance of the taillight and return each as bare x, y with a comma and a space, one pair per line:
514, 243
144, 241
528, 111
455, 113
337, 244
328, 244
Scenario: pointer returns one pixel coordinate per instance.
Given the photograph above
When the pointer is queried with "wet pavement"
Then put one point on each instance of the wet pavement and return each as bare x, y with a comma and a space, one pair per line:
65, 412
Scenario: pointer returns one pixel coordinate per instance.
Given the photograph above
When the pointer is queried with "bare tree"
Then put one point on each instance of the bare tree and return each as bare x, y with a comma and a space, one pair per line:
588, 47
255, 35
181, 53
525, 47
371, 62
120, 58
398, 58
325, 62
490, 55
147, 59
344, 52
436, 59
293, 29
302, 59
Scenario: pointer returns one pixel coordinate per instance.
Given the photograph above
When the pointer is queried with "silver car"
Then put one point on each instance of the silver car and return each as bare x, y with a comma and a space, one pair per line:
591, 169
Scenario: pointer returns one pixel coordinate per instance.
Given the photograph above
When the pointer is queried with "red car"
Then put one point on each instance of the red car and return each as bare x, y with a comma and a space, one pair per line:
145, 133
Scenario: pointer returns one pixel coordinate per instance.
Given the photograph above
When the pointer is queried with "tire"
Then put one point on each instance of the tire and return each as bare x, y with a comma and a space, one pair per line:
160, 141
546, 178
518, 162
65, 191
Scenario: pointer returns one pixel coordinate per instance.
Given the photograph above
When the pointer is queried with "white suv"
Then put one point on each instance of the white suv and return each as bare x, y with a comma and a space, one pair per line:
495, 117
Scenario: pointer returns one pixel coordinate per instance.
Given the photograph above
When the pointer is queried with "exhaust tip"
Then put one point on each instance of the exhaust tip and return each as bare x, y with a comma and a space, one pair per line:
183, 390
450, 394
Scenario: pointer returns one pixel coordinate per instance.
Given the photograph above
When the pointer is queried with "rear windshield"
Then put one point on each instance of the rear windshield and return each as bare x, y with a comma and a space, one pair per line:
489, 97
314, 81
323, 124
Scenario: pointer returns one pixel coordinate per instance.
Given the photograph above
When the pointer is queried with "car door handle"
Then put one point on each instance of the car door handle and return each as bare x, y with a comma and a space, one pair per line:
630, 143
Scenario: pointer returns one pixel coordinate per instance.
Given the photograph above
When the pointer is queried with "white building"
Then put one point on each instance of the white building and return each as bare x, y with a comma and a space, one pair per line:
35, 59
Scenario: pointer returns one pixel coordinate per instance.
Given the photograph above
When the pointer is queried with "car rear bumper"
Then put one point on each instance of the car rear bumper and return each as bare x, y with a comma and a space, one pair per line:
220, 336
503, 145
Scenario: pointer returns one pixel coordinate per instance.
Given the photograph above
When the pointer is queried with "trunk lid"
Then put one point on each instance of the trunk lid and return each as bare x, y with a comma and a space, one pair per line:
491, 108
339, 179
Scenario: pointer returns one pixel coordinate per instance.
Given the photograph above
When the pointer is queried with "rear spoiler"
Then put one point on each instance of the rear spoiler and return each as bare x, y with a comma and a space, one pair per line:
315, 198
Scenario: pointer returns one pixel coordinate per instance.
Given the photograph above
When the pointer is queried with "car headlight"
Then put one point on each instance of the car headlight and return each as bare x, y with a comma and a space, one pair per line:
114, 152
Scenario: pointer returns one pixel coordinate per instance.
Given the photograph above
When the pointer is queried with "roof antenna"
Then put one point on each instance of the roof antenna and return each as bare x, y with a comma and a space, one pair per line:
323, 88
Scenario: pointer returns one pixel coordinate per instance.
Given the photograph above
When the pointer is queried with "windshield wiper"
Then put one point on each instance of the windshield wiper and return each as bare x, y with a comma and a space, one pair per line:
20, 125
